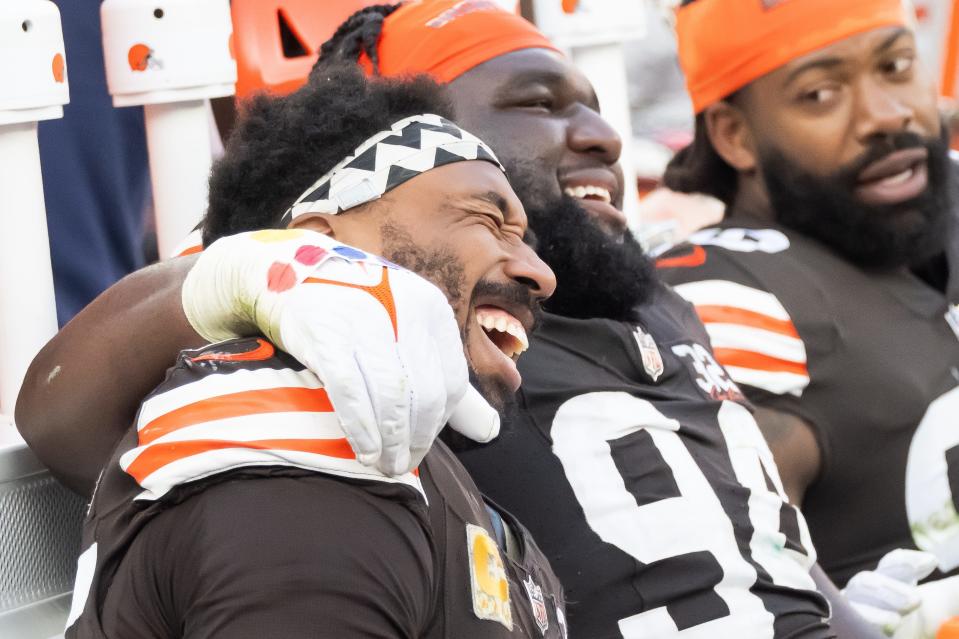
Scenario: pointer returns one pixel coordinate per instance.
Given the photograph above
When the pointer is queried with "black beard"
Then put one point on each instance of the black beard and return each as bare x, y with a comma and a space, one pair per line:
597, 275
872, 236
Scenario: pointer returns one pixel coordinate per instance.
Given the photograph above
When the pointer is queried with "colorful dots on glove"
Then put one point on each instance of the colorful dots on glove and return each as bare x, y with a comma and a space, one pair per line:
350, 253
281, 277
310, 255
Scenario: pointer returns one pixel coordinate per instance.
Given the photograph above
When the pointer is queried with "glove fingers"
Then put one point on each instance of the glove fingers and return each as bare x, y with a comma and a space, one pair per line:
389, 388
888, 622
474, 418
880, 591
907, 565
449, 345
350, 398
429, 410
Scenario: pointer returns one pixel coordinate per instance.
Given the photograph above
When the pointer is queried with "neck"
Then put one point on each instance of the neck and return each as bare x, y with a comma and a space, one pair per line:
751, 200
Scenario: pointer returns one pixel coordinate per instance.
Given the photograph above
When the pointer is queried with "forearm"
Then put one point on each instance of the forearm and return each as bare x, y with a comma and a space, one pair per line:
82, 390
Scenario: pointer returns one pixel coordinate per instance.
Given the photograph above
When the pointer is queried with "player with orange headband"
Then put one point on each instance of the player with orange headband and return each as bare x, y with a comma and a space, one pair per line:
632, 454
829, 290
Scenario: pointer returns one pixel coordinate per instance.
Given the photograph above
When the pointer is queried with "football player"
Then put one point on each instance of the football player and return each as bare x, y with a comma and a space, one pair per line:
633, 455
829, 290
234, 507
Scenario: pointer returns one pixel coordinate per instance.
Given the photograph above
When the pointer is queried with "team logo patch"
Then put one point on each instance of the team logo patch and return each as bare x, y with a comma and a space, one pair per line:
652, 360
488, 582
952, 317
539, 604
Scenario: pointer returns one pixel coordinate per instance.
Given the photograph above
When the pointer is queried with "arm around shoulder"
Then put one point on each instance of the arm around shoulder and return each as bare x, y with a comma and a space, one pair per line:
82, 390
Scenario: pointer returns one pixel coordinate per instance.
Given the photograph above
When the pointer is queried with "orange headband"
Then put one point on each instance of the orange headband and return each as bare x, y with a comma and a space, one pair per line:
446, 38
726, 44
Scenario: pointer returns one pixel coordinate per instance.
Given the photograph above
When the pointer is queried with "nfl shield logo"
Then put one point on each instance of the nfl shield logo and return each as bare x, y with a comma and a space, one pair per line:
652, 360
539, 605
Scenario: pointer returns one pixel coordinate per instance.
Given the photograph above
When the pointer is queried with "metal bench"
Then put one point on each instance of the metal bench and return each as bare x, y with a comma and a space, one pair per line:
40, 523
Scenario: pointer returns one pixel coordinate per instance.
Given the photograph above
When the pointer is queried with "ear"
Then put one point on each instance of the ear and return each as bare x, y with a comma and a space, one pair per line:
319, 222
730, 135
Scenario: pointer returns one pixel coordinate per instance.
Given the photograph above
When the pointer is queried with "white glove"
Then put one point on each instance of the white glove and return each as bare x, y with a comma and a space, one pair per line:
889, 597
383, 340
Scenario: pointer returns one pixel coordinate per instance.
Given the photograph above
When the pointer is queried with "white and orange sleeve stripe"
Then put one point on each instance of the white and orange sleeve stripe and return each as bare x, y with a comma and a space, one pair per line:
192, 243
247, 418
752, 335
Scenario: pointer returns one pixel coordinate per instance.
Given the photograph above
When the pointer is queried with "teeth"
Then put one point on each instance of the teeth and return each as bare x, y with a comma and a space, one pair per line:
502, 322
582, 192
899, 178
517, 331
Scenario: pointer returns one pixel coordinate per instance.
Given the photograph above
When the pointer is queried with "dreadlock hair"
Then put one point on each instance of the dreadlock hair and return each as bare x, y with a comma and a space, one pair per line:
698, 168
282, 145
360, 33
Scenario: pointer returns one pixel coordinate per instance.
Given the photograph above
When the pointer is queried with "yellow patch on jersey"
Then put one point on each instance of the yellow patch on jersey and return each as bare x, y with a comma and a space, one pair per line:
488, 582
269, 236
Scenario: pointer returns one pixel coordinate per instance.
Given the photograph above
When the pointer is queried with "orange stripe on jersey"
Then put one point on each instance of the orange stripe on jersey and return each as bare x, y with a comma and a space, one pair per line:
715, 314
756, 361
264, 350
191, 250
270, 400
159, 455
697, 257
382, 292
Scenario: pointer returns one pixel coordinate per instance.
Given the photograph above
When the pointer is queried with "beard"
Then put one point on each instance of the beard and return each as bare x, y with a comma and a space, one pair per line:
598, 275
879, 236
442, 267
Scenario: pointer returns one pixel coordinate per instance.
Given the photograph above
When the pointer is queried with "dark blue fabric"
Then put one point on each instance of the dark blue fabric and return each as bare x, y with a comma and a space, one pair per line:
95, 176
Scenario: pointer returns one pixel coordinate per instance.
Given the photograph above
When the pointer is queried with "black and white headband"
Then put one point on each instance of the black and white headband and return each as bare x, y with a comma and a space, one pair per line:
410, 147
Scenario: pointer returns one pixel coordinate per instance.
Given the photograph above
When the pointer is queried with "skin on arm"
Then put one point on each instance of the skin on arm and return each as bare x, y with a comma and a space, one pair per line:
795, 449
797, 454
83, 389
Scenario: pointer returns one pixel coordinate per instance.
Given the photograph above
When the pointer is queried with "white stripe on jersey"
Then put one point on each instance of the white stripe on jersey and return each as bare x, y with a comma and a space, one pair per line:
757, 340
219, 442
726, 293
214, 462
237, 381
192, 243
752, 335
248, 428
778, 383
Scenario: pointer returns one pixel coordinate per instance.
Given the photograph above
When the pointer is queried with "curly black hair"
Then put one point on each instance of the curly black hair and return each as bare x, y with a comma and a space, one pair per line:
281, 145
698, 168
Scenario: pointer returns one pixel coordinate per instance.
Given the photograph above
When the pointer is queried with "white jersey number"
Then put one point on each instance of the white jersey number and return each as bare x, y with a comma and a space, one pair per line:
930, 502
692, 522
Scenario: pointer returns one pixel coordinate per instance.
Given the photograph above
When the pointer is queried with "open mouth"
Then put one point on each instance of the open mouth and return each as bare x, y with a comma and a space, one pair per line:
898, 177
503, 330
589, 192
595, 190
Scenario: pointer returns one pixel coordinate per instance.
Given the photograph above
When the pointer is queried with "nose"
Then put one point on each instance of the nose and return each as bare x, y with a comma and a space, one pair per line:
881, 111
589, 133
526, 267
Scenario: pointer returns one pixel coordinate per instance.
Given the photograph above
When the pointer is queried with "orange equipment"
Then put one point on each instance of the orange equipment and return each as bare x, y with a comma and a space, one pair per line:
950, 60
276, 42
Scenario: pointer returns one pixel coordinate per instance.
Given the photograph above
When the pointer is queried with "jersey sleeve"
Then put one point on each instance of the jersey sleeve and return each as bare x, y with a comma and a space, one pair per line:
293, 557
752, 334
239, 404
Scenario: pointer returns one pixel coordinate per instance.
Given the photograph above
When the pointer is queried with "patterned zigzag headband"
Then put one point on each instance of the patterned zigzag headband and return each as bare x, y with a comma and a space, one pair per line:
410, 147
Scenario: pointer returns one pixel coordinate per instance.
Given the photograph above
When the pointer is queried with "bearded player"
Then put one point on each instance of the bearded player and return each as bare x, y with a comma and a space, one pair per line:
633, 455
231, 509
829, 289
